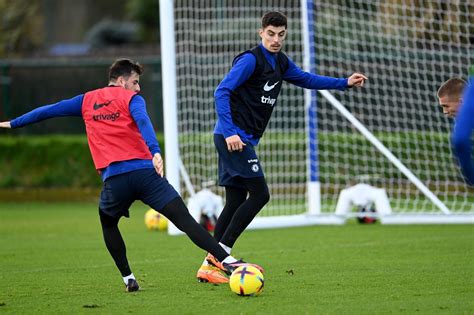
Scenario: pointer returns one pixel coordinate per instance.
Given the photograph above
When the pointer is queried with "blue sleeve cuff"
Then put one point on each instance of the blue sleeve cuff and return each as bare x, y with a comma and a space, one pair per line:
13, 124
155, 151
346, 84
229, 132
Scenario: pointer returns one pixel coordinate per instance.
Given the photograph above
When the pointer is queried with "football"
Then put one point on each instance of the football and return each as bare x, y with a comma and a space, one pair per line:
246, 281
155, 220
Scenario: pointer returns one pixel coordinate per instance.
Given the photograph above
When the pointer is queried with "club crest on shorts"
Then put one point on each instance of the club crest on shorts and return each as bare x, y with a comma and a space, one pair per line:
255, 168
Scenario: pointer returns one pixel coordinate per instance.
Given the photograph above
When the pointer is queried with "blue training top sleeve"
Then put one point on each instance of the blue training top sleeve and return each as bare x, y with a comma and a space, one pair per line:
462, 133
297, 76
141, 118
242, 69
69, 107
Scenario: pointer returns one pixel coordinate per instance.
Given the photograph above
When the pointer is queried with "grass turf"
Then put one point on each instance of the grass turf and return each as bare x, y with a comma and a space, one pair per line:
53, 260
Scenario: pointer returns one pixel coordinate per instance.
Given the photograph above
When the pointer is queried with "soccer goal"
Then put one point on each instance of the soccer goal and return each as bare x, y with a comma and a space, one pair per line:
390, 134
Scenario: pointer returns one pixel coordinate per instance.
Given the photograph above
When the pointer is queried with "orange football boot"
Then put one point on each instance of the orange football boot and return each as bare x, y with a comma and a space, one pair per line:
211, 274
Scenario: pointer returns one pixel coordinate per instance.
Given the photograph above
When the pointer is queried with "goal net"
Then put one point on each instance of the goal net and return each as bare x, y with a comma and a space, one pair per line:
407, 49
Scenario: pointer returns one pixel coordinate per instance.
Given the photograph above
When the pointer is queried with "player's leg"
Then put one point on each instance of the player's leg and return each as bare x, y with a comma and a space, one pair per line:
115, 200
234, 197
241, 218
116, 247
240, 170
177, 213
258, 198
156, 192
208, 272
234, 167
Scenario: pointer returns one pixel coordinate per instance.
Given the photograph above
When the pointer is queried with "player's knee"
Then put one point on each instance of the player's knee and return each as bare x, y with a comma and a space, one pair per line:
265, 196
262, 195
107, 221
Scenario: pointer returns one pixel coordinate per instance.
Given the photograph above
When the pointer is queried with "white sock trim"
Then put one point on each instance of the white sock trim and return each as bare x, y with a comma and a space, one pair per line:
226, 248
125, 279
229, 259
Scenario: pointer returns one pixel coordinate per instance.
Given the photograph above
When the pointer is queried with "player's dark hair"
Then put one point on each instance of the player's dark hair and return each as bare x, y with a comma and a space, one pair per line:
124, 67
452, 88
274, 18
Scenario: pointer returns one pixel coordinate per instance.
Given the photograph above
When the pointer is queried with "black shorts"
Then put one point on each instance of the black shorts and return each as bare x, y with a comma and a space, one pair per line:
120, 191
233, 166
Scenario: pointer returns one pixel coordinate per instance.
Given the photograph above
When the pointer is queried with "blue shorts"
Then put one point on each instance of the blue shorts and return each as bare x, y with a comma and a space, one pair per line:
234, 166
120, 191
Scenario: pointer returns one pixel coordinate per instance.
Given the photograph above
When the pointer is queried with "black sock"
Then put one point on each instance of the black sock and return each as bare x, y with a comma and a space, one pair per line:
177, 213
114, 242
234, 197
246, 212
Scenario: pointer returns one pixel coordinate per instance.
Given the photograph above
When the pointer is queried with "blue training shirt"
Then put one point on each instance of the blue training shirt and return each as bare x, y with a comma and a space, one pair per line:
73, 107
241, 71
462, 133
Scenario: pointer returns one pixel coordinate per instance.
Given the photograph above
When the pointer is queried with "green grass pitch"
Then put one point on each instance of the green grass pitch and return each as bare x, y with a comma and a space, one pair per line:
53, 260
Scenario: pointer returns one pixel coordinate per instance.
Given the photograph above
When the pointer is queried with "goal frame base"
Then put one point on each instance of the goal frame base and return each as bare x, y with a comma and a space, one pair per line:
332, 219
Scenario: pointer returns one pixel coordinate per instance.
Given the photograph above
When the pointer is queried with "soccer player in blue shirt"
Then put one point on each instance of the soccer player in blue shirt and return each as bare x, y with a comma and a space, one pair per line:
244, 103
459, 107
127, 156
463, 132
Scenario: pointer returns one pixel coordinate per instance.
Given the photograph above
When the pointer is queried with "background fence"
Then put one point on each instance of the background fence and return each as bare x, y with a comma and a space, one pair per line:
30, 83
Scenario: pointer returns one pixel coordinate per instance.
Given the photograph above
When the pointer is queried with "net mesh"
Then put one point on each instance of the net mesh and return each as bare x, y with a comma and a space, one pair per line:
407, 48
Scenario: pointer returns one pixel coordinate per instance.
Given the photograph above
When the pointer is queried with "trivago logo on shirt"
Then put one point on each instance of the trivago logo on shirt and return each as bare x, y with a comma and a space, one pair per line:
111, 116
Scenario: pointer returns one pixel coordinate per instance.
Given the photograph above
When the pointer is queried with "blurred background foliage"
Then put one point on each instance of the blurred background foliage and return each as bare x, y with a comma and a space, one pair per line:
21, 27
145, 13
32, 27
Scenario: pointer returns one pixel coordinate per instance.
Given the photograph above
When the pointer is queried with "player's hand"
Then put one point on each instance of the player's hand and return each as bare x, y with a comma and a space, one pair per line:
5, 124
234, 143
356, 80
158, 164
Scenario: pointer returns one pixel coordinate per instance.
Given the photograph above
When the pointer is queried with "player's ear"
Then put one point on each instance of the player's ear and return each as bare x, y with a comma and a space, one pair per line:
121, 81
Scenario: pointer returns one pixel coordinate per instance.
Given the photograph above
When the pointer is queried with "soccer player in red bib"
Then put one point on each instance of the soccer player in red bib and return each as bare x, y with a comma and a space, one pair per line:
127, 156
245, 100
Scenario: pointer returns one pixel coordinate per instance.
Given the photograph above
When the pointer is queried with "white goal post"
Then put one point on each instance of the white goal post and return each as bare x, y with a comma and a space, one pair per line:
391, 132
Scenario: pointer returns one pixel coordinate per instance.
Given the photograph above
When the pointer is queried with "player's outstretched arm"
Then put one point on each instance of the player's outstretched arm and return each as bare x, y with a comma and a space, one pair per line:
5, 124
69, 107
356, 80
295, 75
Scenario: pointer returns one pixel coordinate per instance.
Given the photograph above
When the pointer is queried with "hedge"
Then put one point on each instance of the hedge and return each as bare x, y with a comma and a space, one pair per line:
47, 162
64, 161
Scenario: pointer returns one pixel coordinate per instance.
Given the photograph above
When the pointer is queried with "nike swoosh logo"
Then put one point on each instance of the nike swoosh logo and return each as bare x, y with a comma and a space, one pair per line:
267, 87
98, 106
